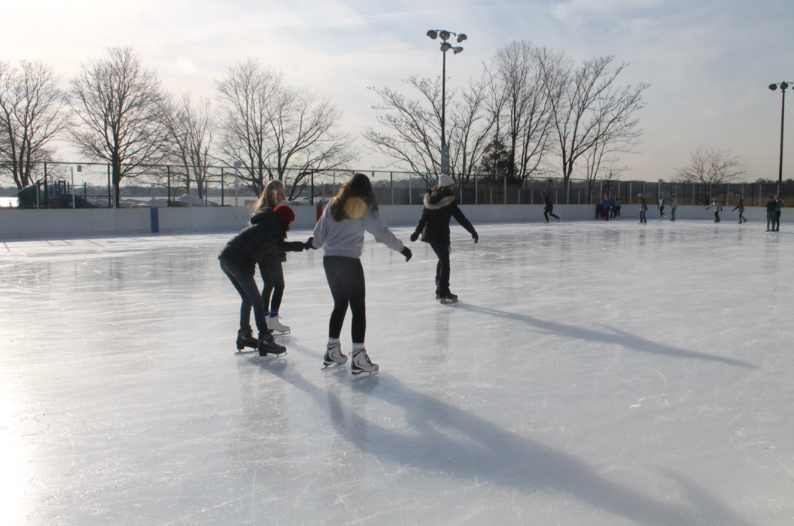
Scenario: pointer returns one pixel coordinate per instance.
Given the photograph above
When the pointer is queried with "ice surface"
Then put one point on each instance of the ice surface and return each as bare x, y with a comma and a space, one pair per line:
593, 373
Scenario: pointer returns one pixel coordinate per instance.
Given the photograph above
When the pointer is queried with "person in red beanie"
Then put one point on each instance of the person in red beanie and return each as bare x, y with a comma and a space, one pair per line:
266, 235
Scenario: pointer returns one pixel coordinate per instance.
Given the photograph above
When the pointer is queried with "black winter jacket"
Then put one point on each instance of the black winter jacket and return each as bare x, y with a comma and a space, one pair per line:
433, 224
264, 239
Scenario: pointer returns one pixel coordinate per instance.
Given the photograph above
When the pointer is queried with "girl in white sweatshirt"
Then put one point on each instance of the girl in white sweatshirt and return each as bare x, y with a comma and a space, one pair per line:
340, 230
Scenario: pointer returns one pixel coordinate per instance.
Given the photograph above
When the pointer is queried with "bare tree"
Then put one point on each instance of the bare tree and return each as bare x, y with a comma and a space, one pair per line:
587, 109
599, 166
524, 106
709, 168
119, 103
413, 136
192, 131
33, 112
276, 131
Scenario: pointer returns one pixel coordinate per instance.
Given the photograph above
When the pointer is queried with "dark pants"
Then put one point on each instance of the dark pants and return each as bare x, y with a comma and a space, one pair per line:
273, 278
346, 278
741, 216
672, 214
547, 212
776, 224
716, 217
442, 268
642, 217
615, 211
661, 212
244, 283
770, 220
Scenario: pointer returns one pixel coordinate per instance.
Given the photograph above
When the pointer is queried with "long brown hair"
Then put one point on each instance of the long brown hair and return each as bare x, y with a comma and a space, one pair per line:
358, 188
268, 197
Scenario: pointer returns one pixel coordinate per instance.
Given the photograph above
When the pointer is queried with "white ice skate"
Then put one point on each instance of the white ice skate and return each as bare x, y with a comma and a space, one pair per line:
333, 356
361, 364
274, 324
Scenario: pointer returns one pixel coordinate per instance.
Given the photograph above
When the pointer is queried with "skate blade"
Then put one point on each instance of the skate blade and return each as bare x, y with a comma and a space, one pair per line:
364, 374
333, 365
272, 357
243, 351
275, 332
447, 302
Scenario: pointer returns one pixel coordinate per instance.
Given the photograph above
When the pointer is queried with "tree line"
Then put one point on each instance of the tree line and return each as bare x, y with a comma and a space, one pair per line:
533, 111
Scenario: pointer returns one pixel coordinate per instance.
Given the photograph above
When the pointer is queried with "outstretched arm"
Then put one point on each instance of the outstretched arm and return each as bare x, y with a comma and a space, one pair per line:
457, 213
375, 226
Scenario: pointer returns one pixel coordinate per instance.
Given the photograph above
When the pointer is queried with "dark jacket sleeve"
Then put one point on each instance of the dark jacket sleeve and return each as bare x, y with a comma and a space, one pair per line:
457, 213
420, 225
277, 238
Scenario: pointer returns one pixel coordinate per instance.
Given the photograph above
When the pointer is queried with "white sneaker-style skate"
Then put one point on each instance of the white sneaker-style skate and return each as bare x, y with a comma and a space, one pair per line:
274, 324
334, 356
361, 363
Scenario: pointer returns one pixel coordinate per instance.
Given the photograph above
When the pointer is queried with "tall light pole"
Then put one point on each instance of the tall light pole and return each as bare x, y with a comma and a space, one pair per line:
783, 86
445, 46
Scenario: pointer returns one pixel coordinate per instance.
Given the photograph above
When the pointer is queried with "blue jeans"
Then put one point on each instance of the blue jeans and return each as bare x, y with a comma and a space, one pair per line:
442, 267
770, 220
249, 292
642, 217
672, 214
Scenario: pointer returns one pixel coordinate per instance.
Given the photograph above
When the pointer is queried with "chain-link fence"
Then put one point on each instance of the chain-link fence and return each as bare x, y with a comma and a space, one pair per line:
64, 185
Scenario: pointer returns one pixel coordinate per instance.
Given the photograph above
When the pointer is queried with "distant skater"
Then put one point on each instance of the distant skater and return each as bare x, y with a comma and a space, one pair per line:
673, 206
662, 215
771, 205
616, 208
717, 208
548, 207
433, 226
268, 231
643, 209
270, 262
607, 205
353, 211
740, 208
778, 211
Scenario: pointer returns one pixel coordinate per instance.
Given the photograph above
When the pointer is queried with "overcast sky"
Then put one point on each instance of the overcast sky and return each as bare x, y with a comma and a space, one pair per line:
708, 62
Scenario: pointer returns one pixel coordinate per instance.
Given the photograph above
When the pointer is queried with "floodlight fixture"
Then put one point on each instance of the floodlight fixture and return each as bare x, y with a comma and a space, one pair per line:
457, 49
432, 34
462, 37
773, 87
444, 34
446, 46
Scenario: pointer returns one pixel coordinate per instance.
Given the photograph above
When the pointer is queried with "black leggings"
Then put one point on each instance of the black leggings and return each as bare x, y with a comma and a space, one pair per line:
547, 211
273, 278
346, 278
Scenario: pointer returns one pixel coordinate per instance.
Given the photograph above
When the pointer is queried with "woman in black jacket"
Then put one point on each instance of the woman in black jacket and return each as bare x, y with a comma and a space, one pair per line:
433, 226
266, 234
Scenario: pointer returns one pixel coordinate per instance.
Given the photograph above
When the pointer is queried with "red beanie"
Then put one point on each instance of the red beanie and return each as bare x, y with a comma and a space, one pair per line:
284, 213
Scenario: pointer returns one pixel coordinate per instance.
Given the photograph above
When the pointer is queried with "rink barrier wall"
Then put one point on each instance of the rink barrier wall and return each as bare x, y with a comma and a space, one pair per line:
16, 224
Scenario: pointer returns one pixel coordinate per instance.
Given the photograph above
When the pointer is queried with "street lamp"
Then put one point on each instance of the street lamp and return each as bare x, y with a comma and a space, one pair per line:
783, 86
445, 46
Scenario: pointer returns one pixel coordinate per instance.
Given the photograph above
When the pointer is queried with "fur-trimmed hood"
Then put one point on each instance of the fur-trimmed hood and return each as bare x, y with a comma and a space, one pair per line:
435, 204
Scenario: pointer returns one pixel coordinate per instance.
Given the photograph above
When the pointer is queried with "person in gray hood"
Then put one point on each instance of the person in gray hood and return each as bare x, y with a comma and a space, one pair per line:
340, 230
433, 226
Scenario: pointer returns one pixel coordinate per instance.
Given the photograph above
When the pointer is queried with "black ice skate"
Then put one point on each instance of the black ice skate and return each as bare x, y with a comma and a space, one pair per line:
268, 345
447, 298
334, 356
246, 339
361, 364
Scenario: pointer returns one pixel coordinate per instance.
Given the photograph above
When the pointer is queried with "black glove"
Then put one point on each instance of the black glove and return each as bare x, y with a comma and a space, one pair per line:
415, 236
475, 237
309, 245
407, 253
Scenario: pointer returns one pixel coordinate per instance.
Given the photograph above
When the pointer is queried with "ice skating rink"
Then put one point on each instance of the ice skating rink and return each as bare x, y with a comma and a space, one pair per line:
592, 374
